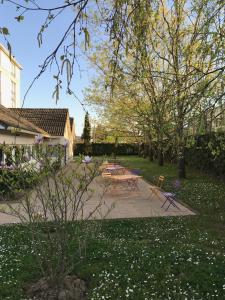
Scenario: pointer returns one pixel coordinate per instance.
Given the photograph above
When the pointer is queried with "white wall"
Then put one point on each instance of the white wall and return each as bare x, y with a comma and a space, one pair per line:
69, 138
17, 140
6, 78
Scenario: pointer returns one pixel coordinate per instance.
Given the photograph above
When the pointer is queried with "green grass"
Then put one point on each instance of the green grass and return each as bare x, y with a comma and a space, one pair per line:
138, 259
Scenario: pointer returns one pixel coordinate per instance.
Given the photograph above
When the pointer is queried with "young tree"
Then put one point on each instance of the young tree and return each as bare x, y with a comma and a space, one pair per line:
52, 196
86, 135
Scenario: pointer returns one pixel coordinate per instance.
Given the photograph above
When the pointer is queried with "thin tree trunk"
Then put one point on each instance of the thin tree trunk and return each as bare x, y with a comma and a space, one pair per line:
160, 157
150, 153
150, 150
181, 164
160, 149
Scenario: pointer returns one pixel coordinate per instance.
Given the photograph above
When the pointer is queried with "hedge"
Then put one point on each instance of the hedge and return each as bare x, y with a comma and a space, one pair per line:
204, 152
207, 153
108, 149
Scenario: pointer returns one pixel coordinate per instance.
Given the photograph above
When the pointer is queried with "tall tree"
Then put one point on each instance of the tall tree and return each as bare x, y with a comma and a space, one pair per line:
86, 135
178, 48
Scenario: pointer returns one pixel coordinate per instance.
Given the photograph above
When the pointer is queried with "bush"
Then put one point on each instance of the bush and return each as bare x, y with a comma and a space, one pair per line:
108, 149
207, 153
14, 180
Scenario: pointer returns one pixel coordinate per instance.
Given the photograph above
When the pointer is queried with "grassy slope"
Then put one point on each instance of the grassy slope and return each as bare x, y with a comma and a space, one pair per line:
157, 258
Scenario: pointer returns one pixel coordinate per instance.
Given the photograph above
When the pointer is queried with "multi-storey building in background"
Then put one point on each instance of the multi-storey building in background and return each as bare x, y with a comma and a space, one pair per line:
9, 79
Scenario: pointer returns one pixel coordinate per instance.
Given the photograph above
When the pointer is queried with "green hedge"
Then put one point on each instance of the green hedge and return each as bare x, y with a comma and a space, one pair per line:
108, 149
203, 152
12, 181
207, 153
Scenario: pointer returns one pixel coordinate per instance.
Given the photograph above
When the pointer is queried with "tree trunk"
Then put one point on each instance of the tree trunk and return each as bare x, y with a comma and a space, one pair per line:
150, 151
145, 151
150, 154
139, 150
160, 157
181, 165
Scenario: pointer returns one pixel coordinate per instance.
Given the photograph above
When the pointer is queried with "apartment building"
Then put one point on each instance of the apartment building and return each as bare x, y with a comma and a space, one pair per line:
9, 79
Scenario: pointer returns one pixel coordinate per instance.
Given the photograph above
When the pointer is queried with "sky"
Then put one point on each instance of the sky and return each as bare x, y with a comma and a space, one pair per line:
23, 39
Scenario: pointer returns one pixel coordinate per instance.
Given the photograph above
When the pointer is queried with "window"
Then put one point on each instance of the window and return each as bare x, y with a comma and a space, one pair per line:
13, 70
3, 125
13, 94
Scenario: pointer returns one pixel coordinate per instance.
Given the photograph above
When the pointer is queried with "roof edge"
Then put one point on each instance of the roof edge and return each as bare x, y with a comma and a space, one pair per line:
18, 118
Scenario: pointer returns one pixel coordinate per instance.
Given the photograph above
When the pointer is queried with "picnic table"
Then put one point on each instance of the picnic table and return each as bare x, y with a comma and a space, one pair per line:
115, 169
130, 180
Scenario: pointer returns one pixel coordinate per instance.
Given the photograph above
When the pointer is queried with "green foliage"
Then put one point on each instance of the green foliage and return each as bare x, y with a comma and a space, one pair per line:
15, 180
58, 195
108, 149
161, 71
4, 30
207, 153
86, 135
19, 18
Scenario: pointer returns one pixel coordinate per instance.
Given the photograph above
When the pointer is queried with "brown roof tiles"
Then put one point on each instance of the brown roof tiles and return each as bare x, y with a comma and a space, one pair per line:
51, 120
11, 118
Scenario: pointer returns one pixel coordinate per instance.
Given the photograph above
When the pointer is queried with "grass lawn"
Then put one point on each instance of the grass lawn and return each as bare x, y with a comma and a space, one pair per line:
141, 259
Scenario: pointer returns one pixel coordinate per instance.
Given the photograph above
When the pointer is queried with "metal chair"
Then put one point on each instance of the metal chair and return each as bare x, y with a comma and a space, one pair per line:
156, 189
170, 197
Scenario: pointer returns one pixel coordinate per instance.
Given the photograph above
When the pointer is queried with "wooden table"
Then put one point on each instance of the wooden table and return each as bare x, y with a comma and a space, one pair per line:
129, 179
115, 170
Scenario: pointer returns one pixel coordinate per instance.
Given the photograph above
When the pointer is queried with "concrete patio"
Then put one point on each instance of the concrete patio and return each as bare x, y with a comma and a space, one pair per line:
120, 202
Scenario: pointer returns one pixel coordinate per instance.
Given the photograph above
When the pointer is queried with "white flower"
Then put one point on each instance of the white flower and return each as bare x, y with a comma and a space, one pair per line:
87, 159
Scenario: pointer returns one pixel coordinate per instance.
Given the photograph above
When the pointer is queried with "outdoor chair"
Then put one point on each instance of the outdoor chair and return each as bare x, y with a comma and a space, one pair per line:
170, 197
133, 184
103, 167
106, 174
156, 189
136, 172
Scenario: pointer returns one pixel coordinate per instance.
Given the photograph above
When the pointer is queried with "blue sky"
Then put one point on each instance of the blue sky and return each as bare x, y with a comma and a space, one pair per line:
30, 56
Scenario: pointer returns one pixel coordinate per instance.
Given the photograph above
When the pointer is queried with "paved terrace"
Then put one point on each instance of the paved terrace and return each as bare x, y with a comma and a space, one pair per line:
121, 202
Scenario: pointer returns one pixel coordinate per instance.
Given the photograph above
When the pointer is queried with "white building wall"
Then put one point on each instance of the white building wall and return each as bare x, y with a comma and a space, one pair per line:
9, 73
10, 139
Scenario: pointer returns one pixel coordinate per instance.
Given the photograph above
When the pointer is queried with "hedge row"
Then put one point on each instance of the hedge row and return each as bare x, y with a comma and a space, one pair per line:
108, 149
207, 153
204, 152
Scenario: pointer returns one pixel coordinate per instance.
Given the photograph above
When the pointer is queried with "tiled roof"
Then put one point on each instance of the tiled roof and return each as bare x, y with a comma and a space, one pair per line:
11, 118
52, 120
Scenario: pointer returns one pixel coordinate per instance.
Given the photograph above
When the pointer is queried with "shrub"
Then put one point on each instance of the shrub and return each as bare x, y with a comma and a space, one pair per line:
207, 153
59, 197
108, 149
13, 180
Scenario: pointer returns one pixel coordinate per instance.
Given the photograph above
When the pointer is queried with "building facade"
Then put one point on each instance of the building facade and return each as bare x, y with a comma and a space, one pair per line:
55, 121
9, 79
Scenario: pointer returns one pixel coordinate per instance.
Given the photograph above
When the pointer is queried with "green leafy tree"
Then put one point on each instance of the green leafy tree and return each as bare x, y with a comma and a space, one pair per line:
175, 52
86, 135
